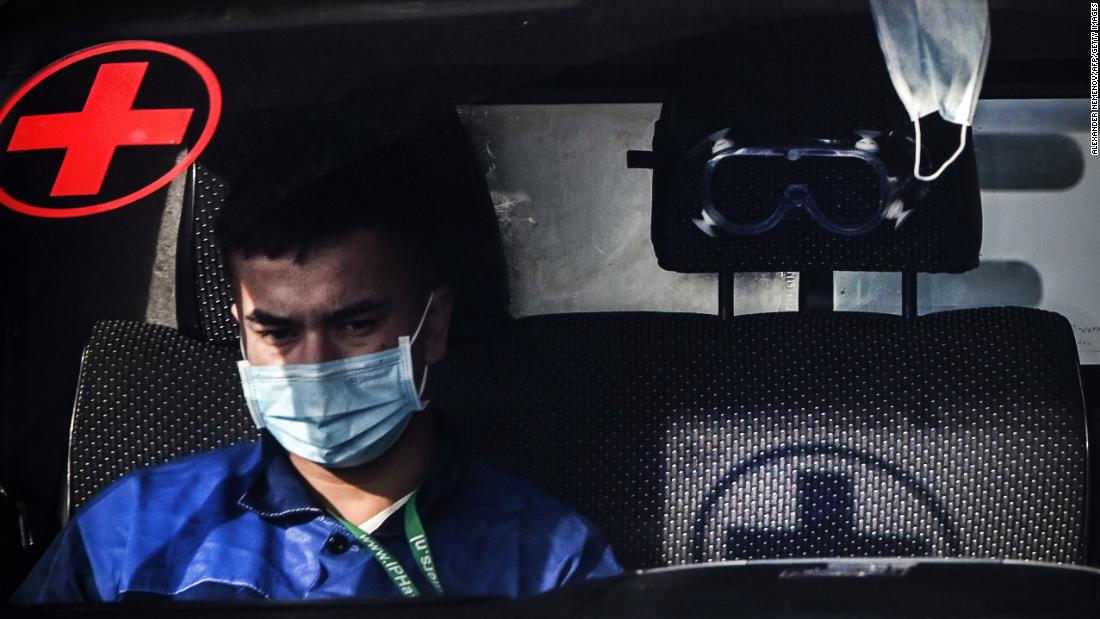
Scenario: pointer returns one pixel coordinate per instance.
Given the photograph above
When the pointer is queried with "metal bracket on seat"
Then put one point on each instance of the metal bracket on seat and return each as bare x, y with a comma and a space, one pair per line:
909, 294
26, 536
725, 295
815, 291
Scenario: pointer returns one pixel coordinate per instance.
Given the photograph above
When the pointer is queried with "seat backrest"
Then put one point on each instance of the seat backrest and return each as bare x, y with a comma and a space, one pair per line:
689, 438
203, 293
857, 435
146, 395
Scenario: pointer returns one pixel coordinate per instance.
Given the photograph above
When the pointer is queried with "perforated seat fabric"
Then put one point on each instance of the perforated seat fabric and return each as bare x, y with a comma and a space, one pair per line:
203, 291
146, 395
790, 435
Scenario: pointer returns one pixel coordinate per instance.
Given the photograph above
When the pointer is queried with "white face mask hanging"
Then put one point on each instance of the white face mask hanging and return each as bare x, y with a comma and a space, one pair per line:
936, 51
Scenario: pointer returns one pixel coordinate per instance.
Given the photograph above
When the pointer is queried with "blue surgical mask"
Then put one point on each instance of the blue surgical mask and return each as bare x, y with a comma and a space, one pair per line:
338, 413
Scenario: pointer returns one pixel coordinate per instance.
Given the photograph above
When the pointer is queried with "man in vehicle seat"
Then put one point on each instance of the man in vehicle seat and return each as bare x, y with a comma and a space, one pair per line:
343, 294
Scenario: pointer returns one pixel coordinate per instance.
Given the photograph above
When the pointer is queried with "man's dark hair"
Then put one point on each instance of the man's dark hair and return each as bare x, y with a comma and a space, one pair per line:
383, 189
411, 171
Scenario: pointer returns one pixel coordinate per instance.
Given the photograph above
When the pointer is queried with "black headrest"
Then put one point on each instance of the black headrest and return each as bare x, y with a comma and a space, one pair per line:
437, 142
821, 80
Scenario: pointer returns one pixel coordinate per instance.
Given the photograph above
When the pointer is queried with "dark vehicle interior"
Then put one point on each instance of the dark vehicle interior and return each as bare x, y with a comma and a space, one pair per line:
798, 422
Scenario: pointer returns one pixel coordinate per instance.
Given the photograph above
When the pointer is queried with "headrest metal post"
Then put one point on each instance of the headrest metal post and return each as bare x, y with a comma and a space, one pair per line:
815, 291
909, 294
725, 295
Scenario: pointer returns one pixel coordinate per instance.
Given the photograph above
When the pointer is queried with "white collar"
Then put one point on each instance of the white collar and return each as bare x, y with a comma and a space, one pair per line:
376, 520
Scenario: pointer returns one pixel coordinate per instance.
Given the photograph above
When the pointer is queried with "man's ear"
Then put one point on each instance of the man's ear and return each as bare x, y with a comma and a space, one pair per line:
437, 325
236, 314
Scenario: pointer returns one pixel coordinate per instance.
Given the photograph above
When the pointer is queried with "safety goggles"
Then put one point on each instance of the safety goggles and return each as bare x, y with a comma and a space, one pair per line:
847, 186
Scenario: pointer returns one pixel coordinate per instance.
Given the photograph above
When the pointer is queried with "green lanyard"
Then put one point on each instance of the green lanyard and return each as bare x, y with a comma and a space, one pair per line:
418, 544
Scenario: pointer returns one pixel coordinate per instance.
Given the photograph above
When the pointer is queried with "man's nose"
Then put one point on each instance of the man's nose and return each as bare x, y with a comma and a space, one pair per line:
317, 347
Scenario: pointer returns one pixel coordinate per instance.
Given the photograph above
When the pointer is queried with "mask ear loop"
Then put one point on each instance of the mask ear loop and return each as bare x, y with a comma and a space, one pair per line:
423, 381
257, 418
952, 158
240, 340
423, 318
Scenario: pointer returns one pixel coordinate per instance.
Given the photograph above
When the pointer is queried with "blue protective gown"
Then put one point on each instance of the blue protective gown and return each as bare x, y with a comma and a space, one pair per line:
240, 523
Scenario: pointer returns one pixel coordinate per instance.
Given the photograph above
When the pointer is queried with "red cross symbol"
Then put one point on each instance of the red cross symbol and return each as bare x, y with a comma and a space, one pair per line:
107, 121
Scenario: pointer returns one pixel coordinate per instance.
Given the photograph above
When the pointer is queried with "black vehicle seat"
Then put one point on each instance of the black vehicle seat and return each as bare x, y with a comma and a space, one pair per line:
693, 438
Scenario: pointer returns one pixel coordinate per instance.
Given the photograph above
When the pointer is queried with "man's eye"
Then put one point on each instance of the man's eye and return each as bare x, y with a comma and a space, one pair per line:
360, 326
275, 334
